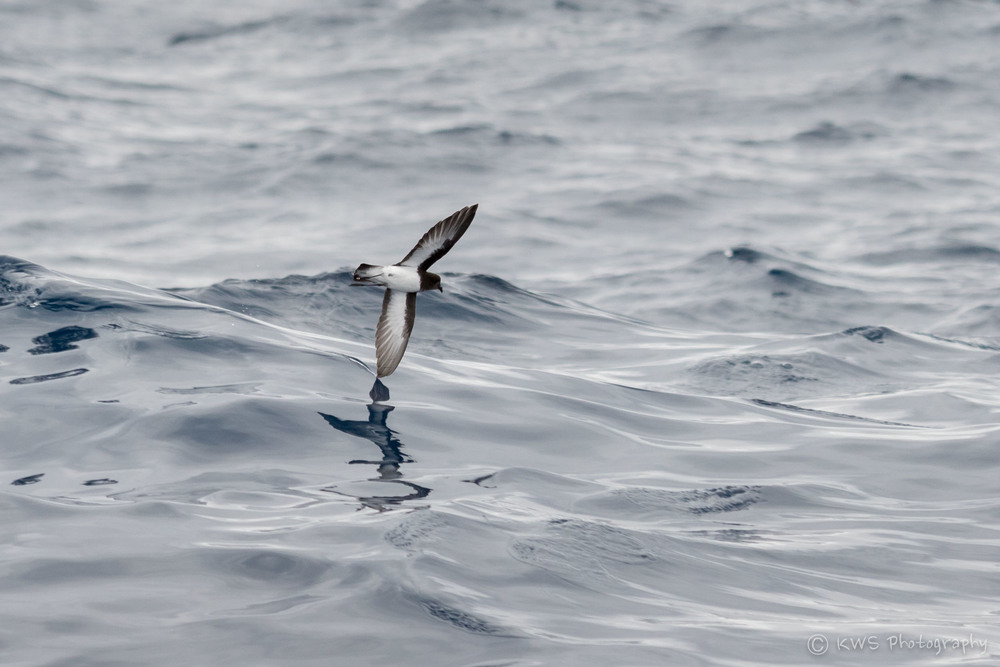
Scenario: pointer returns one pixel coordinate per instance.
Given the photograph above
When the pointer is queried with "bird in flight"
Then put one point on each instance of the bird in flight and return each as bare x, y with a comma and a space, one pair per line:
403, 280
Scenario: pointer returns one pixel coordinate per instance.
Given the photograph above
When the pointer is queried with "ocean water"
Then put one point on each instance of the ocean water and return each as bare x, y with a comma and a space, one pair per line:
713, 379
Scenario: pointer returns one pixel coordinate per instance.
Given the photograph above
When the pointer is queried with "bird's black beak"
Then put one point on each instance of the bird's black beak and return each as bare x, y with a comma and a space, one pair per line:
440, 289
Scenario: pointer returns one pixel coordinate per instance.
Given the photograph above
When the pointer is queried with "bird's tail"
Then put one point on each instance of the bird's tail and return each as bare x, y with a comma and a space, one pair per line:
364, 274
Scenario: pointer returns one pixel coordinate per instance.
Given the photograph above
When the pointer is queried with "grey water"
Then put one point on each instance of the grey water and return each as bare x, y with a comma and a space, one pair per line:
713, 379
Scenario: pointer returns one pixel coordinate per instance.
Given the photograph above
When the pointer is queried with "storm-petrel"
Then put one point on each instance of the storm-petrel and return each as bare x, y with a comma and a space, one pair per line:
402, 282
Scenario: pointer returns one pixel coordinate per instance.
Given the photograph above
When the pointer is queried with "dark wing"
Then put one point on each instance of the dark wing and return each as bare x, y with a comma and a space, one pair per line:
394, 327
439, 239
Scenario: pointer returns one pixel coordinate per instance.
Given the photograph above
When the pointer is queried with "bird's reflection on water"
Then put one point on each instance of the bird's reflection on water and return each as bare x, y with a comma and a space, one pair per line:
378, 432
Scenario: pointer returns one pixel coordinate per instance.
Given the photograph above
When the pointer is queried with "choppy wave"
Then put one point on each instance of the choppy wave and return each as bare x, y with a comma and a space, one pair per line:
236, 415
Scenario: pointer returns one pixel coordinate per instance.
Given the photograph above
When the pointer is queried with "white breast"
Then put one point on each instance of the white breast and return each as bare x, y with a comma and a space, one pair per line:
402, 278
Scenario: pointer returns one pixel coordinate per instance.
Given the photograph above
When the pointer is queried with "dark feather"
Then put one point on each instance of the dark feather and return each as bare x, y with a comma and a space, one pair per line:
439, 239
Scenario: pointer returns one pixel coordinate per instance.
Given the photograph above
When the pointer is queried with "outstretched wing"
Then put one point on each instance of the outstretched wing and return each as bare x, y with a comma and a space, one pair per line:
440, 238
394, 327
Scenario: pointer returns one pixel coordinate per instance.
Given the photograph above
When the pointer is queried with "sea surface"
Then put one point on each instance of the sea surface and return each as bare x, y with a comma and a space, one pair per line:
714, 378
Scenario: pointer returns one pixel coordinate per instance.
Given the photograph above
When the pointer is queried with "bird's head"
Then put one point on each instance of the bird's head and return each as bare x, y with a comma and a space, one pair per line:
431, 281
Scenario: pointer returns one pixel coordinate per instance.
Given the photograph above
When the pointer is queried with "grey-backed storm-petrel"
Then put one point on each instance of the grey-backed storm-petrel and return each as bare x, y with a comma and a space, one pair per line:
403, 280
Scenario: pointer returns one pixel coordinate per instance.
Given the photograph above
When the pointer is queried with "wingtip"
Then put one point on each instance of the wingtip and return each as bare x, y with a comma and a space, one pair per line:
467, 214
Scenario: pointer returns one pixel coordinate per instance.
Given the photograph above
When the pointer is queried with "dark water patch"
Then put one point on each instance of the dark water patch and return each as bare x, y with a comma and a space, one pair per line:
785, 282
825, 132
464, 131
30, 479
830, 133
908, 83
3, 348
417, 530
485, 481
511, 138
905, 343
722, 499
824, 413
634, 501
104, 481
78, 303
61, 340
462, 620
989, 345
873, 334
215, 32
35, 379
